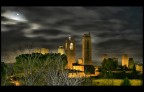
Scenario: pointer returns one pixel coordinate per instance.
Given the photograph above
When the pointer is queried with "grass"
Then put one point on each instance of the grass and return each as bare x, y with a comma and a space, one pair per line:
114, 82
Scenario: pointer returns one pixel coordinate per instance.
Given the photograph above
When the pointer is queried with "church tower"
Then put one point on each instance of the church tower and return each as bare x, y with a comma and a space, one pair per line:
87, 49
70, 50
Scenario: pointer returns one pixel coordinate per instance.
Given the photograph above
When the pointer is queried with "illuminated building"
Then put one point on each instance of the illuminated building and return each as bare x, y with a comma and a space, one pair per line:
139, 67
61, 50
87, 49
70, 50
42, 51
80, 61
97, 71
125, 60
77, 66
76, 75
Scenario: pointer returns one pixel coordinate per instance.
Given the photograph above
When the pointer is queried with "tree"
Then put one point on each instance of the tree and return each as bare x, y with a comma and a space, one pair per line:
109, 64
57, 76
134, 73
106, 74
104, 63
126, 82
49, 72
87, 82
35, 69
3, 69
89, 69
3, 73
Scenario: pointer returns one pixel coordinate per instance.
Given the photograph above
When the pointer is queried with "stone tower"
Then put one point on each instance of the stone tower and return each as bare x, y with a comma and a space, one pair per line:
87, 49
125, 60
70, 50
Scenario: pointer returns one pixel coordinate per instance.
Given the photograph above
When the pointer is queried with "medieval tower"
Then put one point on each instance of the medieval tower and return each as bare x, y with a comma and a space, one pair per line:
125, 59
87, 49
70, 50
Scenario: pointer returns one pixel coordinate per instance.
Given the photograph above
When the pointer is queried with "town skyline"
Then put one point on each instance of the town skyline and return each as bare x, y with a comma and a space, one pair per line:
114, 30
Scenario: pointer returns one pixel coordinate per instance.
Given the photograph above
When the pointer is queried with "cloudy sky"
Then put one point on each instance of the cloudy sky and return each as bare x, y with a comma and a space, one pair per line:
114, 30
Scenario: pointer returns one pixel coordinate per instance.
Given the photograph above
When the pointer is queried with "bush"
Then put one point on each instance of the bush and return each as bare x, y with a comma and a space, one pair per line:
126, 82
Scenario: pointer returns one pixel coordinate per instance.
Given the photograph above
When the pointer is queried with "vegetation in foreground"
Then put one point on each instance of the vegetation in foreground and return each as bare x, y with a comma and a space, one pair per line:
39, 70
48, 70
116, 82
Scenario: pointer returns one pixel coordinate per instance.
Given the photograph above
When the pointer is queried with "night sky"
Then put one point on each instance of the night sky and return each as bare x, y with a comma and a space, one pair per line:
114, 30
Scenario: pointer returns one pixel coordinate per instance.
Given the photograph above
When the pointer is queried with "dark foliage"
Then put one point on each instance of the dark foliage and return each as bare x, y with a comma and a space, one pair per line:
126, 82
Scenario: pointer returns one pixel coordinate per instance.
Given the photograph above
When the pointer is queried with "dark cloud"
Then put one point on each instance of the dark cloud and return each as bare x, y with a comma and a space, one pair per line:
114, 30
3, 18
108, 34
18, 27
54, 32
118, 43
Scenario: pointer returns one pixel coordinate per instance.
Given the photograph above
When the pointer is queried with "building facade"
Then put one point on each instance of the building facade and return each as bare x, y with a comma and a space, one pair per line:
87, 49
80, 61
125, 60
78, 67
139, 67
70, 50
61, 50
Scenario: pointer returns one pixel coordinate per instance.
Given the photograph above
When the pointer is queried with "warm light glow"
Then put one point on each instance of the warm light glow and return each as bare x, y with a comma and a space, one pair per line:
42, 51
78, 67
71, 46
125, 59
139, 68
80, 61
61, 50
76, 75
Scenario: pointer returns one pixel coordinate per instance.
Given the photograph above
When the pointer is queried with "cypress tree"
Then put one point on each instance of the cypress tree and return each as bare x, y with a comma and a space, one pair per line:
126, 82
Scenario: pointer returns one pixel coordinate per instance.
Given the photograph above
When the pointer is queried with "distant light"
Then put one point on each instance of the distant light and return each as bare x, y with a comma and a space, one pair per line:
17, 14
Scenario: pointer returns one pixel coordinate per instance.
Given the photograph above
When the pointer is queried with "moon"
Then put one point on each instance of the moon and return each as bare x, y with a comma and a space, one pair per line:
14, 16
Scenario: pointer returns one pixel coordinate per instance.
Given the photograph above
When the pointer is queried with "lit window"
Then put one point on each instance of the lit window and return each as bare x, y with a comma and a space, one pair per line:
71, 46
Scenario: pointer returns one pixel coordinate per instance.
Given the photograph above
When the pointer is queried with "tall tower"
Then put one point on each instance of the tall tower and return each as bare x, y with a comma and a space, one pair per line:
125, 60
70, 50
87, 49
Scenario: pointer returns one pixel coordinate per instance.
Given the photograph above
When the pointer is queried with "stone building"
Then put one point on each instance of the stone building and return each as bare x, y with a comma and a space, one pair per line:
87, 49
61, 50
125, 60
70, 50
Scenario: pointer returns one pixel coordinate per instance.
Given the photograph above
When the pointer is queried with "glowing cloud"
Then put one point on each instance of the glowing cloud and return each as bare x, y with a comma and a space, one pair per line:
14, 16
